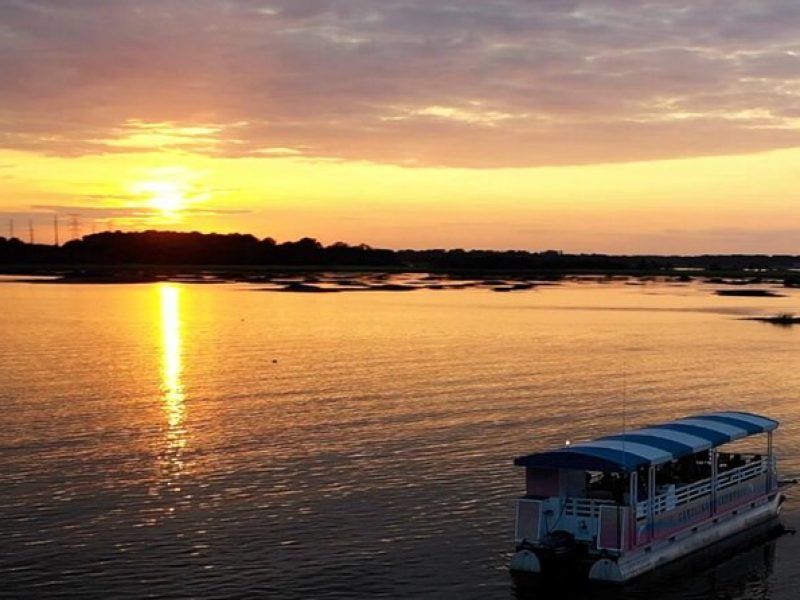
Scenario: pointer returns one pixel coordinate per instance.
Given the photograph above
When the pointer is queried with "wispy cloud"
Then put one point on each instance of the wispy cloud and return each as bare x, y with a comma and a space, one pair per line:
104, 212
479, 83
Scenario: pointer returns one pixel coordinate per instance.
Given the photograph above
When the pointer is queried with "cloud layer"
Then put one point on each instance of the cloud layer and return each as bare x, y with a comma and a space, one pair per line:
470, 83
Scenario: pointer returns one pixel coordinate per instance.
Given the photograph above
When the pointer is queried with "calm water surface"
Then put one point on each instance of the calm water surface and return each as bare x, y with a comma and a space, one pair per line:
213, 441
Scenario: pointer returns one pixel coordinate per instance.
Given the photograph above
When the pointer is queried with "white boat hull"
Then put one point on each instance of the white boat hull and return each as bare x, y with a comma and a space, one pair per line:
638, 562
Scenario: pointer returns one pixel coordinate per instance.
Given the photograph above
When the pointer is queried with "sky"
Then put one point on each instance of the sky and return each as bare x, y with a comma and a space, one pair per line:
620, 126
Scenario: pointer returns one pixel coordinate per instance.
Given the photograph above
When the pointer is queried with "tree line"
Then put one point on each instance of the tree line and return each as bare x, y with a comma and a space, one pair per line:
181, 248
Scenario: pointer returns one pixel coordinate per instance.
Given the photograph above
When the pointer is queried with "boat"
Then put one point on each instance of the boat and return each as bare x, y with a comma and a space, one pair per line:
623, 505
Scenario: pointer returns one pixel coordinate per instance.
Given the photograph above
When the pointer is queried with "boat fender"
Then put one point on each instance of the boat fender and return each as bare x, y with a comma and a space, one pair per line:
526, 561
605, 570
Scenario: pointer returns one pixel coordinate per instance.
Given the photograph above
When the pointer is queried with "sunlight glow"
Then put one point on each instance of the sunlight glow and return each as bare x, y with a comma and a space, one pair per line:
142, 136
168, 191
668, 206
167, 196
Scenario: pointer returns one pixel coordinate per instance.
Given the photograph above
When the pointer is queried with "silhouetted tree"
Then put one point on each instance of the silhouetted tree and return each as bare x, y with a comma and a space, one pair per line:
194, 248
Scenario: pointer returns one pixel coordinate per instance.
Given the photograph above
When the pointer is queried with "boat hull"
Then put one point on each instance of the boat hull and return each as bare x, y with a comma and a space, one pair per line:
640, 561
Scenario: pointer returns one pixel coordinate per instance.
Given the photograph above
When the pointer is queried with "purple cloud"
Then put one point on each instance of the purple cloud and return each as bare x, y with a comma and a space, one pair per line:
477, 83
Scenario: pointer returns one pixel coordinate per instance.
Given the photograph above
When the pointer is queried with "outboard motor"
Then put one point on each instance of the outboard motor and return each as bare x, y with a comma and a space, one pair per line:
559, 543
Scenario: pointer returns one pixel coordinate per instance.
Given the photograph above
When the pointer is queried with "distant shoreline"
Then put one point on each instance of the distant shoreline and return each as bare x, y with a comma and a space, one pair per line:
155, 255
502, 279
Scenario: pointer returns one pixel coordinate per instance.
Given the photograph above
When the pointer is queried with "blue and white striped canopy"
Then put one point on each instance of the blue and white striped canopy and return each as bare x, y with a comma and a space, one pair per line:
653, 445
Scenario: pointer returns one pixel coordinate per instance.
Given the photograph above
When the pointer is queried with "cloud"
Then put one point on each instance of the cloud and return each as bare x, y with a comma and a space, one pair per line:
105, 212
475, 83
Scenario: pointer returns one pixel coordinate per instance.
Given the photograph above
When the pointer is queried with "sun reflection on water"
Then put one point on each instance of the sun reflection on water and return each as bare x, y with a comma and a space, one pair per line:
172, 366
171, 461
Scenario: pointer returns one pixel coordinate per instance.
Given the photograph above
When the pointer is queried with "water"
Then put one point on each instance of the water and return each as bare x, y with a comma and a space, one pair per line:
212, 441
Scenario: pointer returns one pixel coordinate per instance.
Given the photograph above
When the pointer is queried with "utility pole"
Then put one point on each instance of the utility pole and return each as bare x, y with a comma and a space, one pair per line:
30, 231
74, 226
11, 229
55, 229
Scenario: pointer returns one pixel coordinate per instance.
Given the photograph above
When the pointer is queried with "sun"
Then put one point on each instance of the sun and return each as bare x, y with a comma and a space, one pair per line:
168, 197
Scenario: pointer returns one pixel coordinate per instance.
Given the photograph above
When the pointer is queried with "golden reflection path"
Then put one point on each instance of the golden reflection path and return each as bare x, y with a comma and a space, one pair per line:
171, 462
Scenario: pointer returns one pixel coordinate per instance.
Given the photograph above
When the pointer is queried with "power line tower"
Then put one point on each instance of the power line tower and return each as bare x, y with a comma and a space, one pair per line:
74, 226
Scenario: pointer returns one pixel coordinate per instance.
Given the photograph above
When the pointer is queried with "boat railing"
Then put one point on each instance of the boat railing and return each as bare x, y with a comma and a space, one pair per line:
677, 496
739, 474
585, 507
536, 516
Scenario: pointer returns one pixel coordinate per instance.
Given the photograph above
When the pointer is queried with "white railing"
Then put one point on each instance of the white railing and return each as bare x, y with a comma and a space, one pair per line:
684, 494
585, 507
740, 474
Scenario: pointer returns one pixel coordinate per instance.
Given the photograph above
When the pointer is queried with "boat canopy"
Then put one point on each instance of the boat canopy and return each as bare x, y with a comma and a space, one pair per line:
652, 445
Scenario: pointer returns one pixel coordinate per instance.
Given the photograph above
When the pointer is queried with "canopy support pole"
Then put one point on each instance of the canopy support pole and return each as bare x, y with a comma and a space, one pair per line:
651, 497
770, 462
633, 501
712, 454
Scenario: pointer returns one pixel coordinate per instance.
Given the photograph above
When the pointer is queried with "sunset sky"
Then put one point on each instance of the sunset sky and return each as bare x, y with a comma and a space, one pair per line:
618, 126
